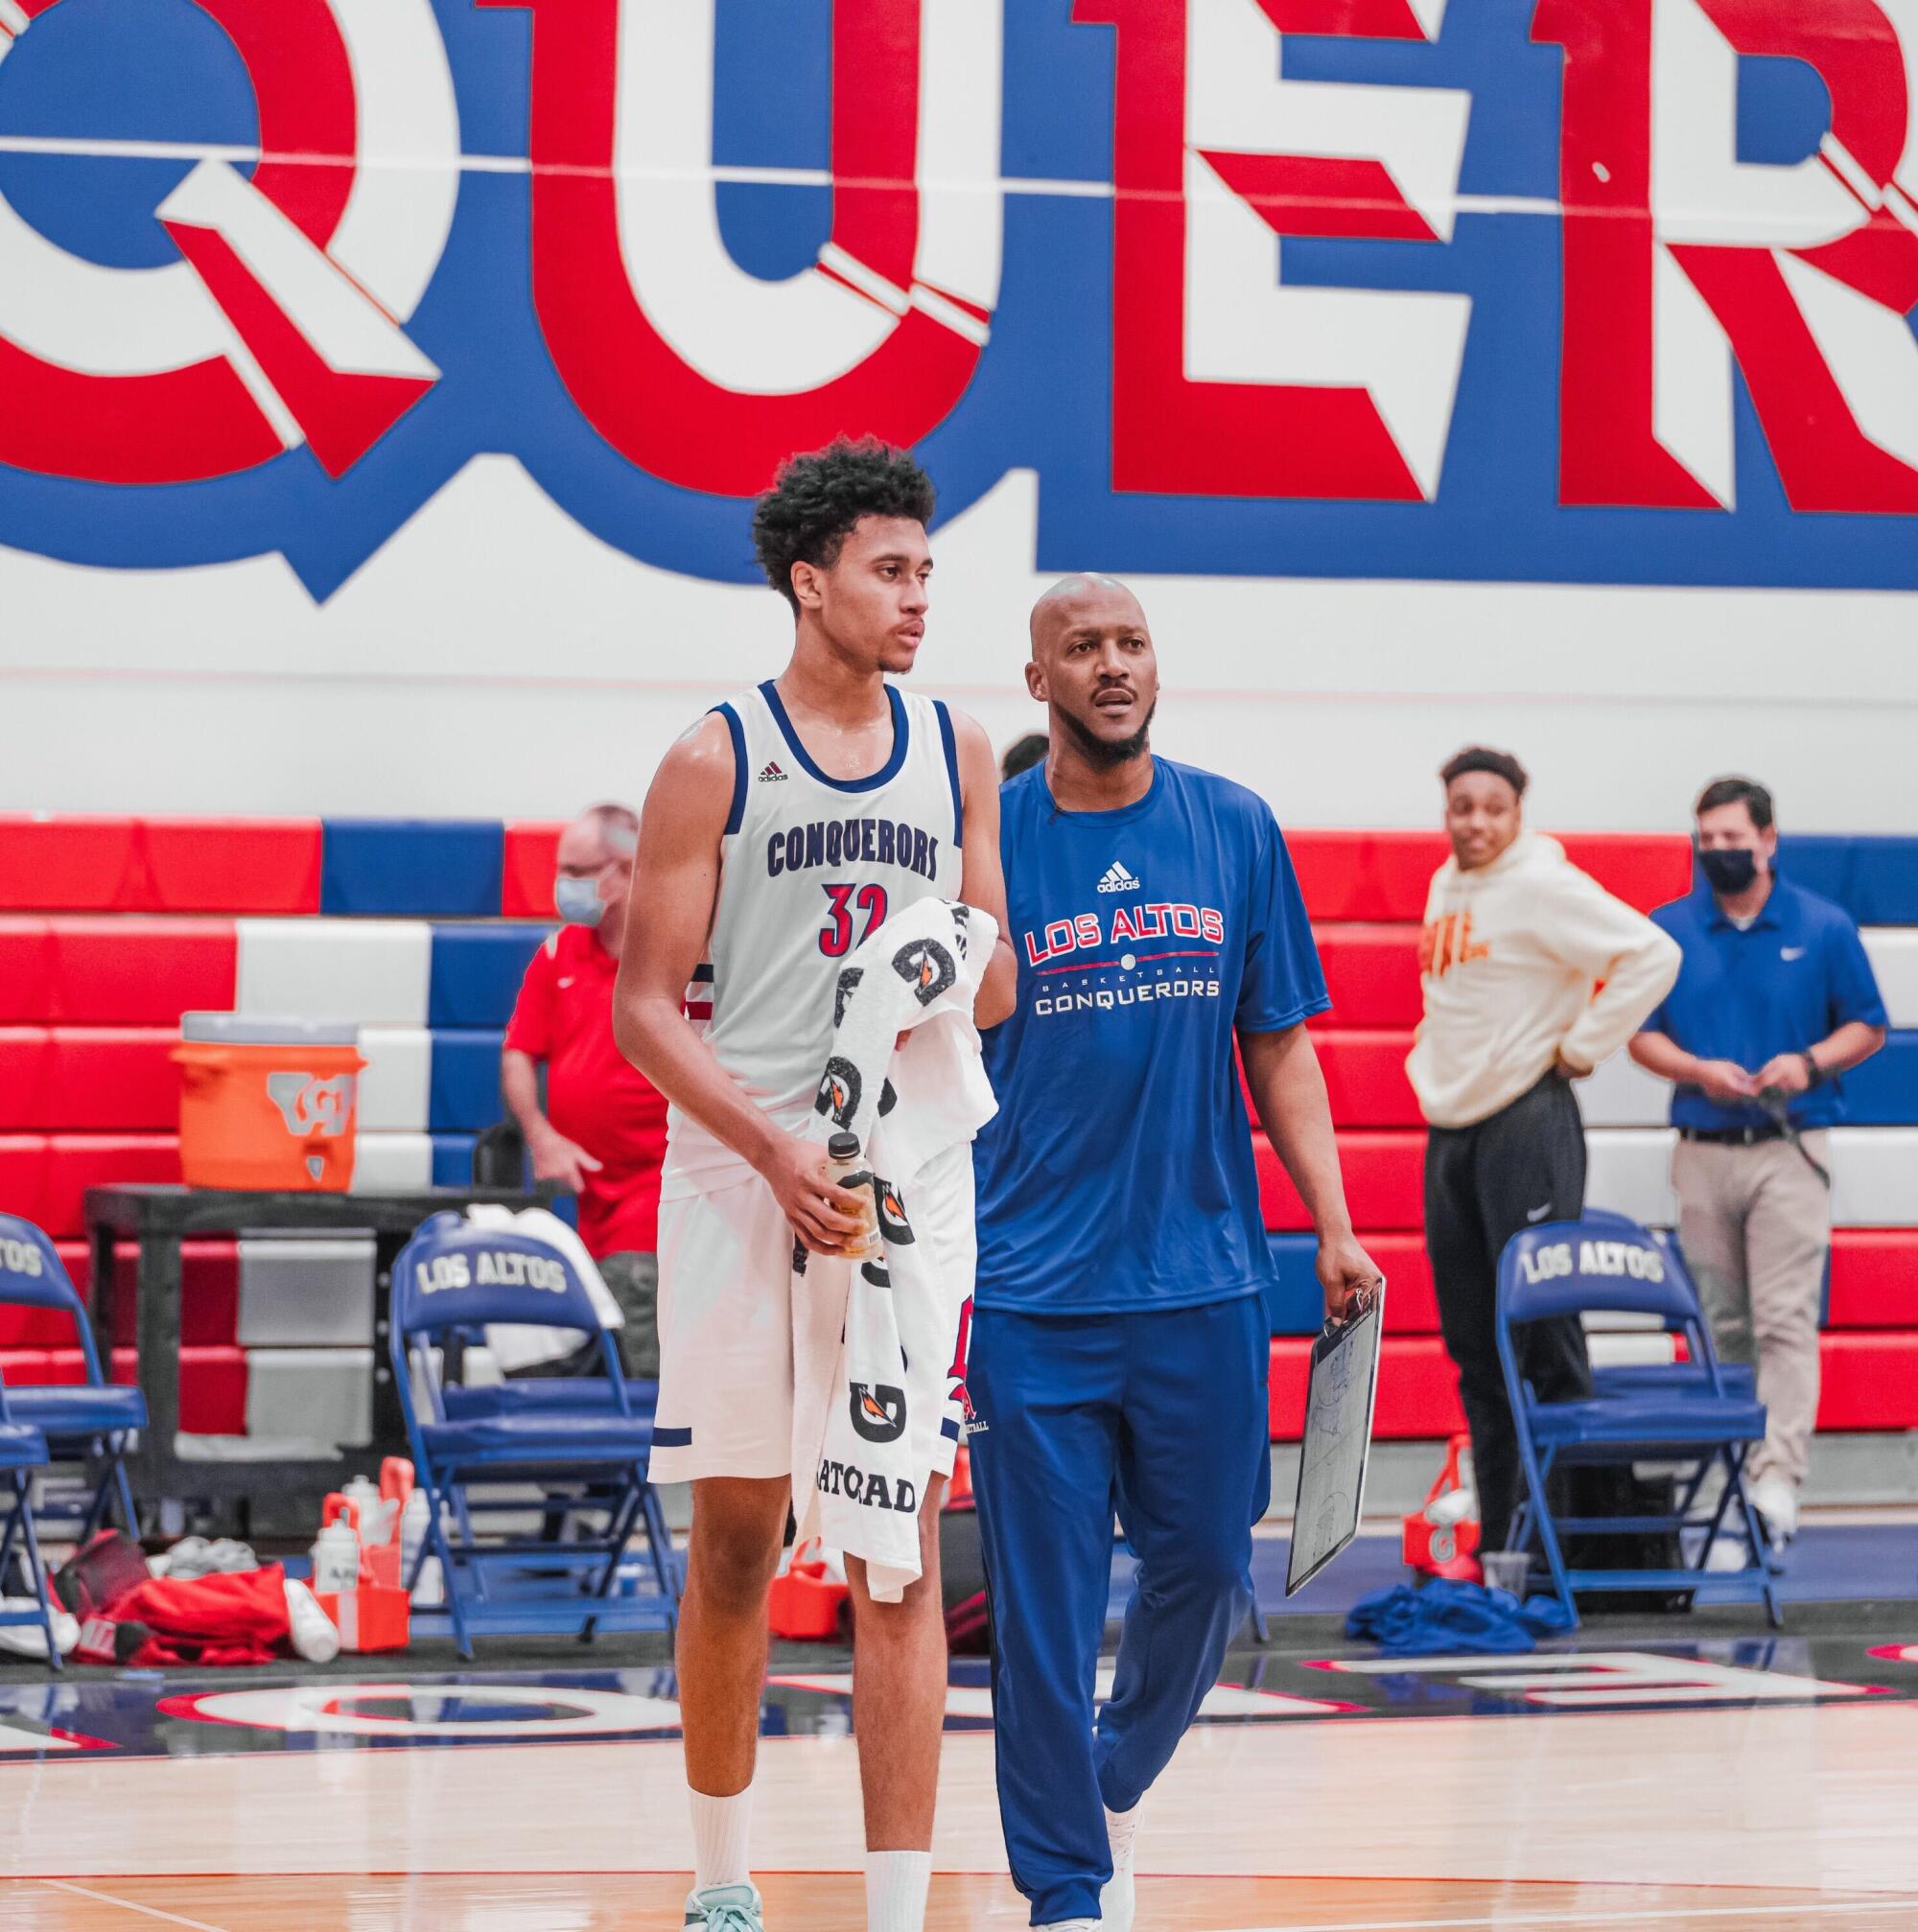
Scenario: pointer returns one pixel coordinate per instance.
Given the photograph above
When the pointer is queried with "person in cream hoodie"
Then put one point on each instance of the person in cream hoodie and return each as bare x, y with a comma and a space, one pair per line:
1532, 973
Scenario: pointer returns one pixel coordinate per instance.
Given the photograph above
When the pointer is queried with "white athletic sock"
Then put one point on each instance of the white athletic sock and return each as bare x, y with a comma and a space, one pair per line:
1116, 1896
720, 1827
895, 1888
1121, 1827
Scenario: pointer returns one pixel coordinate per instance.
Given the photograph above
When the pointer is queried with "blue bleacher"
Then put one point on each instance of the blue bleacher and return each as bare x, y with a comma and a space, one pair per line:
464, 1094
412, 867
476, 970
1874, 878
1883, 1092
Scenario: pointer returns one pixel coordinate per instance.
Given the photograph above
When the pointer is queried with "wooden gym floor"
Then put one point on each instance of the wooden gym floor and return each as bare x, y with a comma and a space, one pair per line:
1766, 1794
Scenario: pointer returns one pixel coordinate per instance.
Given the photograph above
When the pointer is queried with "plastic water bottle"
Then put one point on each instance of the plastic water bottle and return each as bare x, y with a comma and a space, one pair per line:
848, 1172
335, 1558
376, 1519
412, 1532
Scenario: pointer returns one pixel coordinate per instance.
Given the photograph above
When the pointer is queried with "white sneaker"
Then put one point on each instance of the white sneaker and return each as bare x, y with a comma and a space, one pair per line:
1729, 1552
1777, 1505
1116, 1895
726, 1908
1070, 1925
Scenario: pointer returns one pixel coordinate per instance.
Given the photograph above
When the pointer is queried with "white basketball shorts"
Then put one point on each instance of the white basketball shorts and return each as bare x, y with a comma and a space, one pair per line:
725, 1324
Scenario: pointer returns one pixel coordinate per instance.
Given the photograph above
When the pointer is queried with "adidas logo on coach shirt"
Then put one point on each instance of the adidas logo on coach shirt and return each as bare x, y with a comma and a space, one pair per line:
772, 773
1118, 879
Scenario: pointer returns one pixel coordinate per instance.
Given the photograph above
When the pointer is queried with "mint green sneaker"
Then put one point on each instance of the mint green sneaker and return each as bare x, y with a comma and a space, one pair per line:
726, 1908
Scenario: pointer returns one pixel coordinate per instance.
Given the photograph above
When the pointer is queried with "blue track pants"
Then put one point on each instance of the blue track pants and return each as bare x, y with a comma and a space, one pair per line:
1163, 1418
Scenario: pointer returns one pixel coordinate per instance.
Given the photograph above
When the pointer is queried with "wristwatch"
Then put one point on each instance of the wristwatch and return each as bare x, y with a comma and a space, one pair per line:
1814, 1072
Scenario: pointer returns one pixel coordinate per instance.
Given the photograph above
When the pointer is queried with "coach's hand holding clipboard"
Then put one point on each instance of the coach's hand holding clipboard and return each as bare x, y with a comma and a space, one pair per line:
1347, 1274
1335, 1444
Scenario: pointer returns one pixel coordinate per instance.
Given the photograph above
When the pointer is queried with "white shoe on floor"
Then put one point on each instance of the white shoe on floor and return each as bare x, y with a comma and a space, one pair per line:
1777, 1505
1729, 1552
1070, 1925
1116, 1895
725, 1908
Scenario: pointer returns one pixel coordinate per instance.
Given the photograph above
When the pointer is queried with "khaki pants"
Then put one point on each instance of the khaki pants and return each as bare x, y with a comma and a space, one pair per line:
1756, 1225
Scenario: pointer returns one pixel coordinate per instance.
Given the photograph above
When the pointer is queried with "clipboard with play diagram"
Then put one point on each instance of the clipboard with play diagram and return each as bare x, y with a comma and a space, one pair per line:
1340, 1401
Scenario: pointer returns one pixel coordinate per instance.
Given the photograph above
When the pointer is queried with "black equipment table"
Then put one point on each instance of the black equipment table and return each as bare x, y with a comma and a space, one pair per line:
159, 1218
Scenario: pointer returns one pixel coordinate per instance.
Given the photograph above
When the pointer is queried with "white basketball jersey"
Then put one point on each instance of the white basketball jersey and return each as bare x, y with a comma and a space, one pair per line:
810, 866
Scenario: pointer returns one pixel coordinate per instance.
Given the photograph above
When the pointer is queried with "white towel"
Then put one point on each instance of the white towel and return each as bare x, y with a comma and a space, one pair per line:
878, 1372
520, 1347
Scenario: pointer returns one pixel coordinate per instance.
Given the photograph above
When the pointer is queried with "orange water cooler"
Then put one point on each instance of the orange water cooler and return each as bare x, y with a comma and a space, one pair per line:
267, 1103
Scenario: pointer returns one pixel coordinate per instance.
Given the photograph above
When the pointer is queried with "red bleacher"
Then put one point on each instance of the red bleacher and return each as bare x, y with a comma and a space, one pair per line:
80, 970
526, 886
1385, 1183
90, 1079
1351, 877
141, 865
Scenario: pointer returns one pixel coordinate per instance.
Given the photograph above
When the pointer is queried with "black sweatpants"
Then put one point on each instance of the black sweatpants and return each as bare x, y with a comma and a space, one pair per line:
1524, 1165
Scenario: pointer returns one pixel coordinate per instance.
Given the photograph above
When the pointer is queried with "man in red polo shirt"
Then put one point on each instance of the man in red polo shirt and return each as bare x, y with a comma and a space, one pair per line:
602, 1131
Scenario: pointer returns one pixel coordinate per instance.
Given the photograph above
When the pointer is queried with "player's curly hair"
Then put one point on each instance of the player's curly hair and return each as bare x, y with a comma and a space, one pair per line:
816, 499
1478, 758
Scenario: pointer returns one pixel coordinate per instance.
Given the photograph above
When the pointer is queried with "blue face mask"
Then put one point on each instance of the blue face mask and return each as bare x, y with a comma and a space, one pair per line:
578, 901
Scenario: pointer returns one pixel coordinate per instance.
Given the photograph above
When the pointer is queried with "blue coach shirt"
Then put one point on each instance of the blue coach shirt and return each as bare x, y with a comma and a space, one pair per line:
1118, 1174
1793, 977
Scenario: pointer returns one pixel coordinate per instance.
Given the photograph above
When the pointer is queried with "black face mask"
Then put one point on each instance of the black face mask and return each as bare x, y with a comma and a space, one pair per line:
1730, 869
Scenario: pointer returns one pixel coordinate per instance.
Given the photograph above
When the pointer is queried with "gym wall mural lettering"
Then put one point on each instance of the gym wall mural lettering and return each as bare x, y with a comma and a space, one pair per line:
1577, 290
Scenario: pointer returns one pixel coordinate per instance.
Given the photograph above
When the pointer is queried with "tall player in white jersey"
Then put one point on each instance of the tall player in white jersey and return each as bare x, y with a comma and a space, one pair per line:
782, 829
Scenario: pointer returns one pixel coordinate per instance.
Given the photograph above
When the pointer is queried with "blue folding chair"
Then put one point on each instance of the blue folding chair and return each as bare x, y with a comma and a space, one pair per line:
1651, 1378
89, 1422
1689, 1414
585, 1459
23, 1451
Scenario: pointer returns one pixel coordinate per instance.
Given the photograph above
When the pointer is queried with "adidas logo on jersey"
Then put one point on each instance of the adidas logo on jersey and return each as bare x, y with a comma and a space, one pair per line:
1118, 880
772, 773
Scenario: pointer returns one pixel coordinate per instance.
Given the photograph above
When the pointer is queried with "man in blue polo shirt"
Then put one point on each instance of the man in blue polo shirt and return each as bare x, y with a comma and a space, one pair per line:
1121, 1343
1774, 1001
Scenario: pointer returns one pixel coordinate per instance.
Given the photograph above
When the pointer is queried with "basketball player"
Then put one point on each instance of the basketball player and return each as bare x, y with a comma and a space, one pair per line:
1120, 1344
780, 832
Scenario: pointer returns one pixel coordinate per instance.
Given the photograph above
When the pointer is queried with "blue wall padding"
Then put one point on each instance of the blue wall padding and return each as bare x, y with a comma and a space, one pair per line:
453, 1159
1295, 1304
412, 867
1883, 1092
465, 1094
477, 973
1874, 879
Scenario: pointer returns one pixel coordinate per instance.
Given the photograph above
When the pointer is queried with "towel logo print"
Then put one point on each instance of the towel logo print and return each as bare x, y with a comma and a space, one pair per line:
878, 1412
839, 1091
928, 968
894, 1228
1118, 879
800, 1255
849, 978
